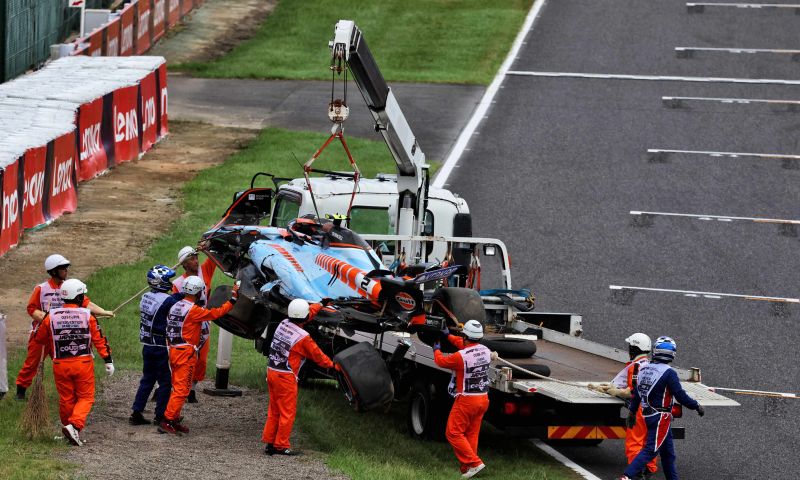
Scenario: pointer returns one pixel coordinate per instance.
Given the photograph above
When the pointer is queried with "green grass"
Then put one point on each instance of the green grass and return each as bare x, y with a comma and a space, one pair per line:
364, 446
441, 41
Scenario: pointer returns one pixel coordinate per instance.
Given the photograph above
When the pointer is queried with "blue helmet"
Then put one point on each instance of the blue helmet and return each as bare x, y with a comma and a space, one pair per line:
160, 278
664, 349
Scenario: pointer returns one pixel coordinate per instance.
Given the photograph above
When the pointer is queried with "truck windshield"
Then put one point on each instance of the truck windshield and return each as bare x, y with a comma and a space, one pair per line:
368, 220
286, 209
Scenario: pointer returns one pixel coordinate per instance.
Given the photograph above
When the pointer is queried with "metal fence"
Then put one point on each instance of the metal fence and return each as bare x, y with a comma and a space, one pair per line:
29, 27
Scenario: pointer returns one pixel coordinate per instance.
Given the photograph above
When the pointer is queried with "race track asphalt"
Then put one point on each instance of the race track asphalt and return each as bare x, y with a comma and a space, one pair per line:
558, 163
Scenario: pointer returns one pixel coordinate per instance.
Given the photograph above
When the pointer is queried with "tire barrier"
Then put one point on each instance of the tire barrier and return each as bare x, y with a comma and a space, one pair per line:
70, 122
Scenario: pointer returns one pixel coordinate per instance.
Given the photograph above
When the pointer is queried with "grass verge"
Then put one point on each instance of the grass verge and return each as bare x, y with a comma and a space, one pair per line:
439, 41
364, 446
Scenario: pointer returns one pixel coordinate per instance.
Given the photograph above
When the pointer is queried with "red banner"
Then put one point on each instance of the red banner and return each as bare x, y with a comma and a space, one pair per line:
163, 124
34, 167
186, 7
142, 26
96, 43
148, 111
10, 218
93, 157
126, 30
126, 124
173, 12
111, 43
61, 176
159, 19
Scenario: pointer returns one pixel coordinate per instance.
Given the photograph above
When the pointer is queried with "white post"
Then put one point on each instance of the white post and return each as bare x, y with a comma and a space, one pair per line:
3, 365
82, 5
224, 348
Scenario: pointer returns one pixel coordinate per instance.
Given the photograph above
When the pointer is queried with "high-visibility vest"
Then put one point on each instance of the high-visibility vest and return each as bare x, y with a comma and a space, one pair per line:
70, 331
475, 380
148, 307
49, 297
175, 317
286, 336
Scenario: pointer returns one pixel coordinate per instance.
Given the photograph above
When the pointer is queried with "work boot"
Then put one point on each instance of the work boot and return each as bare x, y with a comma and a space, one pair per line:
166, 426
177, 425
21, 392
269, 450
137, 418
72, 435
472, 471
286, 451
192, 397
158, 419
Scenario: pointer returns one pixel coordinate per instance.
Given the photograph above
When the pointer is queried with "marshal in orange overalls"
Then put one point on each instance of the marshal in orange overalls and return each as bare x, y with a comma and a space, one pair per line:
206, 273
635, 437
69, 333
472, 398
290, 346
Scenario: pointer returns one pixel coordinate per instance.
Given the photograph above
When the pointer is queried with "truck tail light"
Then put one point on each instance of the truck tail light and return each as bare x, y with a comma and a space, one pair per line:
510, 408
526, 409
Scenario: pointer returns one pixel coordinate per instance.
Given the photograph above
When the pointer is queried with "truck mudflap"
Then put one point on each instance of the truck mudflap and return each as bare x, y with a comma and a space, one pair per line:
580, 393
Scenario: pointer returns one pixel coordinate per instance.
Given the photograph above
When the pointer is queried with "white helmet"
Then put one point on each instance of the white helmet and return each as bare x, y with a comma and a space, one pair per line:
298, 309
193, 285
71, 288
640, 341
473, 330
185, 253
55, 261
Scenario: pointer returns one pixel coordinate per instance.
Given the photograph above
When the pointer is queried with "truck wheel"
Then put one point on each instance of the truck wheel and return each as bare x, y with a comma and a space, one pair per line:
427, 416
510, 347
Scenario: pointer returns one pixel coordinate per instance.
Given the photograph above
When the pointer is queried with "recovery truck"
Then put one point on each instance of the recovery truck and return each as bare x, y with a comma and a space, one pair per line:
547, 396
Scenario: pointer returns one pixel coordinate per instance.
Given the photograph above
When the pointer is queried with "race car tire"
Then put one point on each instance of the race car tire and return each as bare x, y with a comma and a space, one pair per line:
464, 303
510, 347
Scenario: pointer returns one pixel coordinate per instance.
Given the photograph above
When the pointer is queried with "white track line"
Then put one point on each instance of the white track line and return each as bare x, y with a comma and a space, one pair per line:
722, 218
676, 101
658, 151
745, 391
566, 461
688, 50
698, 7
655, 78
463, 139
713, 295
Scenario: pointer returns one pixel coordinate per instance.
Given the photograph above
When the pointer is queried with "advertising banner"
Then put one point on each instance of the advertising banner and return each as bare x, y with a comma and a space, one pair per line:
159, 19
34, 169
126, 30
148, 111
142, 26
186, 7
163, 124
111, 43
125, 123
10, 218
60, 178
173, 12
93, 158
95, 41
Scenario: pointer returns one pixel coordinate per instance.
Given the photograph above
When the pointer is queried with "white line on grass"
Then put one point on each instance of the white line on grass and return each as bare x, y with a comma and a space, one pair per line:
566, 461
463, 139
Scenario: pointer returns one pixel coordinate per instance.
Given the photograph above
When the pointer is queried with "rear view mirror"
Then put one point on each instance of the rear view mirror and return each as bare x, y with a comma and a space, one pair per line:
489, 250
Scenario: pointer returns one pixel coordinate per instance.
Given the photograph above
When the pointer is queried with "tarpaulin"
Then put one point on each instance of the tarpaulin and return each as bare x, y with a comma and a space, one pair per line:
126, 30
173, 12
34, 168
10, 218
111, 42
93, 159
163, 124
186, 7
60, 178
159, 19
125, 123
148, 111
95, 41
142, 26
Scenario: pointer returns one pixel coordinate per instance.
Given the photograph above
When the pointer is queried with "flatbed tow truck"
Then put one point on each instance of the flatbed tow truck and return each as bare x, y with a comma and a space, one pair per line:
543, 394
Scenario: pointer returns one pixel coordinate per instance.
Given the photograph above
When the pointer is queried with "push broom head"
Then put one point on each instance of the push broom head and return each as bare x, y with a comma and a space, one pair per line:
35, 418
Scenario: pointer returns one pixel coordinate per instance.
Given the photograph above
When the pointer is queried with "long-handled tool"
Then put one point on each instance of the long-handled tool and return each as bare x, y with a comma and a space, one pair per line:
135, 296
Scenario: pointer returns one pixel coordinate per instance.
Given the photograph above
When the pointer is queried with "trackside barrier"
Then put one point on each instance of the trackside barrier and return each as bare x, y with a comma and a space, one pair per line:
3, 364
133, 29
69, 122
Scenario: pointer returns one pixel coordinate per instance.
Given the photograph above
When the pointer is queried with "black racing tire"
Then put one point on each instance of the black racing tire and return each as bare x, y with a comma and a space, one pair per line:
510, 347
464, 303
427, 412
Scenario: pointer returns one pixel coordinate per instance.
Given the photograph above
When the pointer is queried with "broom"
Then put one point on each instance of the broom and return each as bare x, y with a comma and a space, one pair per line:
35, 418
